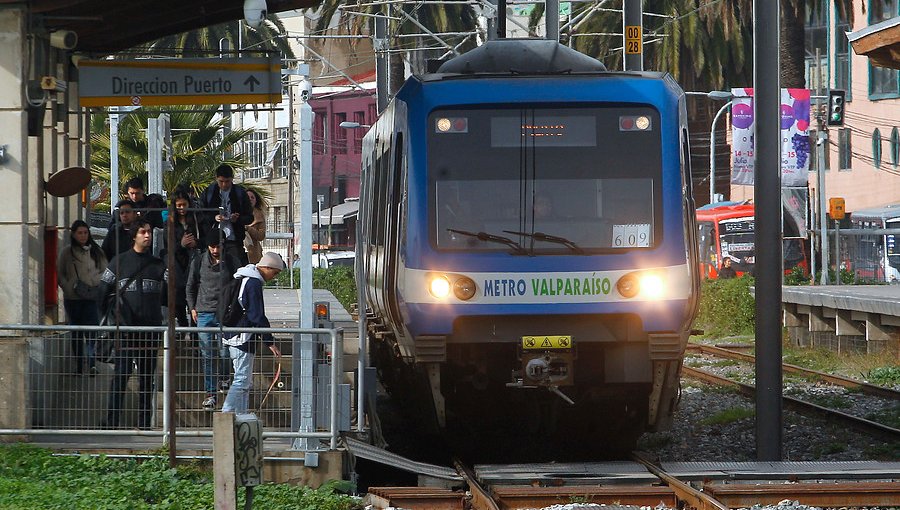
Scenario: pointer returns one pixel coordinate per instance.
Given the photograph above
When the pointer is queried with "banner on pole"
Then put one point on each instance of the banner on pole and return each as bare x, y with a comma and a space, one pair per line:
794, 137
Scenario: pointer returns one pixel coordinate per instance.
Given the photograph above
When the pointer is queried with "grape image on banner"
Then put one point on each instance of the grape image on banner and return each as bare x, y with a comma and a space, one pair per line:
795, 144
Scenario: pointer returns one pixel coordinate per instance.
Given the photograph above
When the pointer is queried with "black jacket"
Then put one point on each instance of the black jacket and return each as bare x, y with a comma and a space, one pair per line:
240, 203
140, 303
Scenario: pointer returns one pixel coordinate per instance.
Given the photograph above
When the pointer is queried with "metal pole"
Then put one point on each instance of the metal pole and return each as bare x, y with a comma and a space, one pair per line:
821, 148
712, 153
382, 71
632, 33
551, 19
302, 418
171, 350
501, 19
837, 252
767, 195
114, 191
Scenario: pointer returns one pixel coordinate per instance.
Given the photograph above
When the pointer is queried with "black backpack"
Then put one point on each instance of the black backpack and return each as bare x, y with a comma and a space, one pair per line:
229, 310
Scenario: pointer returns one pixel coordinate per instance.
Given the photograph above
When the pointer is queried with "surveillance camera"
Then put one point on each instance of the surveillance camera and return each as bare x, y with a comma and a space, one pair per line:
305, 90
64, 39
255, 12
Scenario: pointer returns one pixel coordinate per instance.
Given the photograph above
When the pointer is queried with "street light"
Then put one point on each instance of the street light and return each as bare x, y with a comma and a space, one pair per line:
719, 95
362, 330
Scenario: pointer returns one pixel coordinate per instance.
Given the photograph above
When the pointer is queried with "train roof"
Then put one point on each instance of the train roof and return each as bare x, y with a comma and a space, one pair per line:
522, 57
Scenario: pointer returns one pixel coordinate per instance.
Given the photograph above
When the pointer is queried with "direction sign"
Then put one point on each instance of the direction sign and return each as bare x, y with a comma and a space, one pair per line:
155, 82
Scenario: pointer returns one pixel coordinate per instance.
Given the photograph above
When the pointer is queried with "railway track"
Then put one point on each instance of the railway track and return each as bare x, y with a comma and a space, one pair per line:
845, 382
527, 487
861, 424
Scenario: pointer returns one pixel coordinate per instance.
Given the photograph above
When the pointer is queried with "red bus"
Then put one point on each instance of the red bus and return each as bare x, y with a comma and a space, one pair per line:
727, 230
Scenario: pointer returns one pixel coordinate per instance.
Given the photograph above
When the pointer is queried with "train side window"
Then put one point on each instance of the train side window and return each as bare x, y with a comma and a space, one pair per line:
397, 179
686, 165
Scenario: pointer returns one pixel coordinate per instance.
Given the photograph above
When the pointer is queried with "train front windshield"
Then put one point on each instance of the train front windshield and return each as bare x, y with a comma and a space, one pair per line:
548, 180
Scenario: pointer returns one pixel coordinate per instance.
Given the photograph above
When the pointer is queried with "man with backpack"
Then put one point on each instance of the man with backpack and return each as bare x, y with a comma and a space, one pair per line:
136, 280
252, 314
206, 277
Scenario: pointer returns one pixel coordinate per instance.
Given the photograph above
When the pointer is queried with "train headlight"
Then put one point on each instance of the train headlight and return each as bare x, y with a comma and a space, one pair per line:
439, 287
628, 285
651, 286
642, 123
464, 288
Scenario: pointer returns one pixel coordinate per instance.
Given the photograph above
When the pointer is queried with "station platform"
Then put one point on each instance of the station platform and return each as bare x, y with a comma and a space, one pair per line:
848, 318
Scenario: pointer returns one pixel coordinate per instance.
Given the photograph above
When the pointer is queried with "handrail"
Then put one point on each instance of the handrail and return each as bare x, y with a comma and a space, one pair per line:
335, 340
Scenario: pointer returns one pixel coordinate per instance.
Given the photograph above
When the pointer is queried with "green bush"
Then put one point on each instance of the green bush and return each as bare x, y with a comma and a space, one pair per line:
32, 478
726, 307
339, 280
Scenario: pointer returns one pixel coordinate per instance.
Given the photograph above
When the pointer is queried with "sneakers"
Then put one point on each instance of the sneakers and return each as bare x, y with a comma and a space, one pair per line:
93, 372
224, 385
210, 403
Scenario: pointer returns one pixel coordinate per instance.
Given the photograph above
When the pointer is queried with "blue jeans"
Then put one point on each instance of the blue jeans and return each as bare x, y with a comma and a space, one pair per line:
215, 355
238, 399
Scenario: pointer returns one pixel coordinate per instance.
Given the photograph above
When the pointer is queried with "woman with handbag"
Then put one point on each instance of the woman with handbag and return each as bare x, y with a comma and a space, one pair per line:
79, 267
256, 231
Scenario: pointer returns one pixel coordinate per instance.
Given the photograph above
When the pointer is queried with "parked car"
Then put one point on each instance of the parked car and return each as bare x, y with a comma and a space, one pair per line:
327, 259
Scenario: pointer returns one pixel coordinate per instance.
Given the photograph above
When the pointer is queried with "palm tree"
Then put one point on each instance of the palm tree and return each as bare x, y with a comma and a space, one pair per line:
436, 17
205, 41
199, 148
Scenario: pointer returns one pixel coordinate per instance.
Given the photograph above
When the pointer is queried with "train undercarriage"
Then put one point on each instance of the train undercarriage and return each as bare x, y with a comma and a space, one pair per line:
551, 398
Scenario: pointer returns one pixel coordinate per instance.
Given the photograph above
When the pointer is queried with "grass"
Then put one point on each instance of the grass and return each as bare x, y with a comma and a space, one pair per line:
829, 401
32, 478
730, 415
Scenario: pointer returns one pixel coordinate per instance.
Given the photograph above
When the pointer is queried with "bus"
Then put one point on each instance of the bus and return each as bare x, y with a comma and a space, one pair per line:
726, 229
876, 256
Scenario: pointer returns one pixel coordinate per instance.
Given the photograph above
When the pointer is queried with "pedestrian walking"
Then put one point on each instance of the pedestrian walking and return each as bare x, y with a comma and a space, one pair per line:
234, 212
205, 279
241, 346
79, 266
256, 231
188, 243
119, 237
137, 280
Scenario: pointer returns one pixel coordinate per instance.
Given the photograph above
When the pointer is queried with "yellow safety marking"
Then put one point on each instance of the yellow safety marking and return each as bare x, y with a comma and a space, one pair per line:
633, 40
547, 342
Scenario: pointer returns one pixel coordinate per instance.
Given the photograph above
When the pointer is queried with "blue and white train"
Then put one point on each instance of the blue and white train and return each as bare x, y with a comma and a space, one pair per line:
529, 238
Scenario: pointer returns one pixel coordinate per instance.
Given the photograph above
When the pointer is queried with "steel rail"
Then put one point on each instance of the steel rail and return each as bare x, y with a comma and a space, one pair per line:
820, 494
481, 500
692, 497
861, 424
846, 382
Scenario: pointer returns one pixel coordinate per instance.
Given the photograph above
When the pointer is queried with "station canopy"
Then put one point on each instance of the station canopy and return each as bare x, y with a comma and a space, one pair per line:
880, 42
108, 26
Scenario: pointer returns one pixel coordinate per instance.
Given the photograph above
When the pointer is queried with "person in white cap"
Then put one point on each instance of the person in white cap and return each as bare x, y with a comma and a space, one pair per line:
241, 348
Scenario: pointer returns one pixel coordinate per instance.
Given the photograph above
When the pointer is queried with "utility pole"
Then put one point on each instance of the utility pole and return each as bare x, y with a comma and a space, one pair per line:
633, 30
767, 195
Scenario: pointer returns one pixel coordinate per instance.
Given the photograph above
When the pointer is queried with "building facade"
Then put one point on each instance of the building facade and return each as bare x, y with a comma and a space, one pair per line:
862, 160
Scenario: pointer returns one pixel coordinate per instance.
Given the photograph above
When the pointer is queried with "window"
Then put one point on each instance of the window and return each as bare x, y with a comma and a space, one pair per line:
895, 147
340, 134
816, 44
319, 140
882, 81
845, 153
876, 148
282, 163
841, 53
255, 153
358, 133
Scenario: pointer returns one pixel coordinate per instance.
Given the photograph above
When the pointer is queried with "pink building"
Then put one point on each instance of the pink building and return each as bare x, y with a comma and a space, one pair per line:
336, 150
862, 163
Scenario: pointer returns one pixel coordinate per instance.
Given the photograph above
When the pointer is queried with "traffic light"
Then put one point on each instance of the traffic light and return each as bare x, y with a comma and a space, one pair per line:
836, 107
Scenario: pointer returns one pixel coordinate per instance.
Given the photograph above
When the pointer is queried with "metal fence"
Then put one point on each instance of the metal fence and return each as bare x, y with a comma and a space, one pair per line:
130, 380
870, 255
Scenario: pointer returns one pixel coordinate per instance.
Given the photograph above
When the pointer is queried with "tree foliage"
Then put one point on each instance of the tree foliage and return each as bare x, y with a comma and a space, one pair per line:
197, 139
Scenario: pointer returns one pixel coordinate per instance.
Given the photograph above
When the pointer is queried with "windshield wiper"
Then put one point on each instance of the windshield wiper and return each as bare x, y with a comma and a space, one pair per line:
484, 236
540, 236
